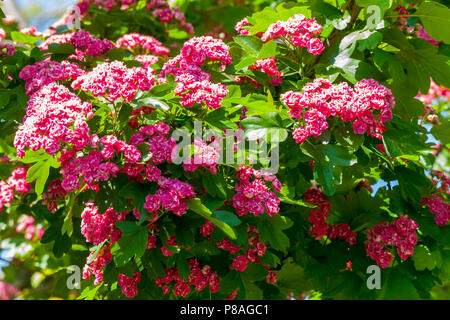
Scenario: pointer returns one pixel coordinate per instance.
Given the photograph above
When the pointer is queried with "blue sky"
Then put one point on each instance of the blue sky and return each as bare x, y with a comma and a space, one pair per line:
48, 11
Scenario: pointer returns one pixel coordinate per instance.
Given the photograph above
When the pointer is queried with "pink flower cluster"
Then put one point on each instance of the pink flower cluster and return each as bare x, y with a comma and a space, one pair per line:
129, 284
54, 192
207, 228
239, 27
46, 72
318, 218
107, 4
161, 9
193, 84
321, 99
204, 156
7, 48
2, 34
102, 258
26, 224
135, 41
257, 249
32, 31
435, 92
255, 196
97, 227
191, 91
399, 233
92, 46
171, 195
438, 206
6, 194
111, 144
226, 244
147, 60
197, 49
115, 80
82, 41
160, 146
301, 32
90, 167
8, 291
54, 115
269, 67
18, 180
199, 278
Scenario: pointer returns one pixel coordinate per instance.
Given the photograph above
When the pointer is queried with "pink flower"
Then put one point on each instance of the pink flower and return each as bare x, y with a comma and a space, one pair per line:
135, 40
239, 27
254, 196
114, 80
129, 284
97, 227
400, 233
240, 263
321, 99
51, 113
315, 46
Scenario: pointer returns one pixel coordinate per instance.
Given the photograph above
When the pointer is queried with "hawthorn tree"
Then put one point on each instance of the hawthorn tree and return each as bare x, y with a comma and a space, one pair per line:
317, 148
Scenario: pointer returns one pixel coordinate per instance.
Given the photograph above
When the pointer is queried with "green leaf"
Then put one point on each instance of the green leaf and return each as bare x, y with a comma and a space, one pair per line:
436, 20
348, 138
125, 112
89, 293
271, 231
61, 48
254, 50
262, 20
138, 193
397, 286
385, 4
254, 272
267, 126
183, 267
39, 172
329, 158
116, 54
252, 292
133, 242
228, 217
197, 206
402, 138
178, 34
268, 50
61, 245
442, 131
162, 90
258, 104
24, 38
291, 275
423, 259
251, 44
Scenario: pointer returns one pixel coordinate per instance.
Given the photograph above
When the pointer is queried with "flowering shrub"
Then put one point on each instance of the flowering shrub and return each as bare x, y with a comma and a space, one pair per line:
274, 153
